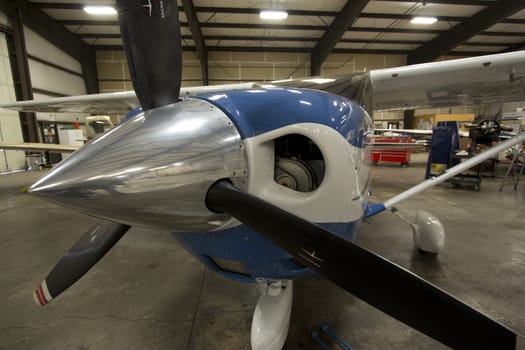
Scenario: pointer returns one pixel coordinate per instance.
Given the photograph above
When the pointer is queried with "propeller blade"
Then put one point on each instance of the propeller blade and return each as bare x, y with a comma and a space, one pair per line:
151, 37
85, 253
377, 281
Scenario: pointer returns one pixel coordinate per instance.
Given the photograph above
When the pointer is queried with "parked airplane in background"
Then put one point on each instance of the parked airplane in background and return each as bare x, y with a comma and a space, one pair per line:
486, 126
263, 184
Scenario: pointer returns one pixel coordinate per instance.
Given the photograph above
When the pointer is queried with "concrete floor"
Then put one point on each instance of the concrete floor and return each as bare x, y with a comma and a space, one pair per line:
148, 293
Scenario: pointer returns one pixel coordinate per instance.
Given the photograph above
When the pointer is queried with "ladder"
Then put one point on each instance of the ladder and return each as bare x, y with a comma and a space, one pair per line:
515, 169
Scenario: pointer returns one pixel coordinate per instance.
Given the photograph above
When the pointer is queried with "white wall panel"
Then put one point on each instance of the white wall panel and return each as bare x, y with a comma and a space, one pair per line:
3, 20
55, 80
39, 47
46, 77
10, 130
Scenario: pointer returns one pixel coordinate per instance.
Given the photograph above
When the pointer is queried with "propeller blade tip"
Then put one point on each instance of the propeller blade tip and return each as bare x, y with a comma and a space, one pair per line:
41, 295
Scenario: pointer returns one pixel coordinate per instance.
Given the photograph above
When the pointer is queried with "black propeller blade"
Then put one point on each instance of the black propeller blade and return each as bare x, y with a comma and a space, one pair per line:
375, 280
86, 252
151, 36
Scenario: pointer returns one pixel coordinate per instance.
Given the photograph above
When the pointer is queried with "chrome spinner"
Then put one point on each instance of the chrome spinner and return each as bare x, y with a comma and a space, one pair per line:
167, 158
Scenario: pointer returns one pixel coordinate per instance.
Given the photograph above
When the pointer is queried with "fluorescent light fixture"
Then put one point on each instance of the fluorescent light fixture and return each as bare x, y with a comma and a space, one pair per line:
100, 10
273, 14
424, 20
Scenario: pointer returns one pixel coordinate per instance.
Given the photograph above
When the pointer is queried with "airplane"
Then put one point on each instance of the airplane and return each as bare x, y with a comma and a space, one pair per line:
485, 126
262, 184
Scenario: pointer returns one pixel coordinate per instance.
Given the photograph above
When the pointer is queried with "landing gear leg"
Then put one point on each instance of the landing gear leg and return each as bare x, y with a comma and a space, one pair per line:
429, 234
271, 318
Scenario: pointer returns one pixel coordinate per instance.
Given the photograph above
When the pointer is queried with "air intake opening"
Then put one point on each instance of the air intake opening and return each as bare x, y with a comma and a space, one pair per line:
299, 163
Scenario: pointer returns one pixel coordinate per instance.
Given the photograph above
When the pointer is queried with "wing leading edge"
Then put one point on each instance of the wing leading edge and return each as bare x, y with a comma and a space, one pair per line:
106, 103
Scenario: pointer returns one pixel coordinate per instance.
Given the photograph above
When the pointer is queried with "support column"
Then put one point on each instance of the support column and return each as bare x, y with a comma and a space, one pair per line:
408, 118
22, 77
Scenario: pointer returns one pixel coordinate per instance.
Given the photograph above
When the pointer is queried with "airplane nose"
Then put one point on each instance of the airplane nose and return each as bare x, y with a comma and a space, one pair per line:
153, 170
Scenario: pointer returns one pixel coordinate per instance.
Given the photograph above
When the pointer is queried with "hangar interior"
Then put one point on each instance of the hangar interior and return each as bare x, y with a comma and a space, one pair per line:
151, 293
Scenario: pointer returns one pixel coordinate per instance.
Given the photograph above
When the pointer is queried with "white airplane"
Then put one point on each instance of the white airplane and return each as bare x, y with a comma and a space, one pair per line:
266, 184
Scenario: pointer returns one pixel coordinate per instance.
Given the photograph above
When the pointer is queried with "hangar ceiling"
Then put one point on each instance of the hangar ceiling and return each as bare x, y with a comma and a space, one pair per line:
464, 27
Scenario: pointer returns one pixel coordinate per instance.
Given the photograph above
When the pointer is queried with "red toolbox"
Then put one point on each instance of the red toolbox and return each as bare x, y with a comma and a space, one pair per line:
394, 155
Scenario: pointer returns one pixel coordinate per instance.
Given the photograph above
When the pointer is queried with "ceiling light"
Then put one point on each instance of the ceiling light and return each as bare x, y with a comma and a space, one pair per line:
273, 14
100, 10
424, 20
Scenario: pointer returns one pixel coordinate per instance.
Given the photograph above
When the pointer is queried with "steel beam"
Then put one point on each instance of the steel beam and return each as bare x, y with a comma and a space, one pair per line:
454, 2
342, 40
331, 37
296, 27
22, 77
312, 27
195, 28
298, 50
352, 29
462, 32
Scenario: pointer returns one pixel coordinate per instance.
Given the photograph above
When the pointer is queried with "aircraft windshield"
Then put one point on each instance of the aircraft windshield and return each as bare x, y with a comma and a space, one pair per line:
355, 87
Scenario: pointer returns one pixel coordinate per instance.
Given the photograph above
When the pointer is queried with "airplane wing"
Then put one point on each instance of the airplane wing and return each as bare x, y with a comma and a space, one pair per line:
106, 103
468, 81
39, 147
